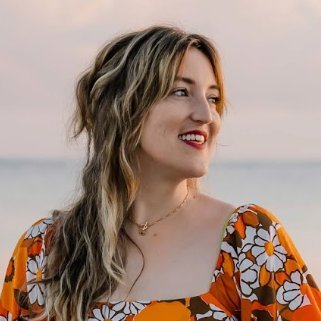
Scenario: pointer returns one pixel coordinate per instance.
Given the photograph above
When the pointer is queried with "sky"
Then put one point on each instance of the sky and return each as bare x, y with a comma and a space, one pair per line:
271, 60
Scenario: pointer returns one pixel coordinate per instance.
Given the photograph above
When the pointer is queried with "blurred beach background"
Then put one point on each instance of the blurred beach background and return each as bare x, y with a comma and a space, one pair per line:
269, 148
30, 189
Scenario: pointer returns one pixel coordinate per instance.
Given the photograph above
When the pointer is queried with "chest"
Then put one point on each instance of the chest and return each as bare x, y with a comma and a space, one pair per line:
179, 260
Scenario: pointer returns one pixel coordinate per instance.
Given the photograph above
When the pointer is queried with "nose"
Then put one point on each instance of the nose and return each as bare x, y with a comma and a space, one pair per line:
202, 111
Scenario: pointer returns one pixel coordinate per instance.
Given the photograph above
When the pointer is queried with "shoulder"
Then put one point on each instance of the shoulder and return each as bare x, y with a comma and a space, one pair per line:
31, 247
32, 243
35, 237
238, 219
253, 227
256, 235
39, 228
213, 207
248, 218
251, 216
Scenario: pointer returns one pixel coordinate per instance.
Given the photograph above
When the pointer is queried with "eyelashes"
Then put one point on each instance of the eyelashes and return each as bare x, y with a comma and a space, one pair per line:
183, 92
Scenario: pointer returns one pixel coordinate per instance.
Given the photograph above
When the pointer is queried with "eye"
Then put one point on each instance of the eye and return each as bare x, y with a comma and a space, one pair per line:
214, 99
181, 92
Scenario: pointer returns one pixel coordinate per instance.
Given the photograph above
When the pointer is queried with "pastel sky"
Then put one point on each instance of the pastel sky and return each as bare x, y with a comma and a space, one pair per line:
271, 58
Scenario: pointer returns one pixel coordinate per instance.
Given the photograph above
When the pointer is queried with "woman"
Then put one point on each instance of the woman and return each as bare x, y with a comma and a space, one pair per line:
142, 242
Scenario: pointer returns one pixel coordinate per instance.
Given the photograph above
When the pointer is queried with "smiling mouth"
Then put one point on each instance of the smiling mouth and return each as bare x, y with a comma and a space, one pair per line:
195, 138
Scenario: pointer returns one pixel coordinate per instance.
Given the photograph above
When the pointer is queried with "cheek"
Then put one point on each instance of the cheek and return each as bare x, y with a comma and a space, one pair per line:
152, 136
154, 132
162, 126
158, 142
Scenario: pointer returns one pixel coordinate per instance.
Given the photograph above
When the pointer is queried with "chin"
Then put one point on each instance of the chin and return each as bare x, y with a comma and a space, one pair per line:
198, 171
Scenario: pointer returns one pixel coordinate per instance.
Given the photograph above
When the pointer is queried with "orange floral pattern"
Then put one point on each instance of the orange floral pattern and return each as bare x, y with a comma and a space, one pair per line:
259, 276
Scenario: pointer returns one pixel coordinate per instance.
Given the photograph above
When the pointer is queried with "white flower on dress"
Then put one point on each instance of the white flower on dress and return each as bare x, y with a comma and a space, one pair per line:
248, 276
290, 293
8, 318
215, 313
268, 250
230, 224
234, 217
38, 229
130, 307
248, 241
246, 208
106, 313
35, 269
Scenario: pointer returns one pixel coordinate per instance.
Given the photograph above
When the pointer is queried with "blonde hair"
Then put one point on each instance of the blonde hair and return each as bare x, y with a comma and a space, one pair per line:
87, 255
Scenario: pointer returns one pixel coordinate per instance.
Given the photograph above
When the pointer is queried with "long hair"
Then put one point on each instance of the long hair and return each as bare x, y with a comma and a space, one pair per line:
87, 254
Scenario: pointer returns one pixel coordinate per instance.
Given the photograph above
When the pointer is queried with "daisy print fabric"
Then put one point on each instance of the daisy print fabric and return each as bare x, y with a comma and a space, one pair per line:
259, 276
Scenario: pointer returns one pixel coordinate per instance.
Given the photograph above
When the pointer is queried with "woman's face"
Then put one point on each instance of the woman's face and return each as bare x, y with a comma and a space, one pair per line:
191, 106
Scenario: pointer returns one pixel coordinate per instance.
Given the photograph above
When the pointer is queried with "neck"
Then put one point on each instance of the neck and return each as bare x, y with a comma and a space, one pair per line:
156, 200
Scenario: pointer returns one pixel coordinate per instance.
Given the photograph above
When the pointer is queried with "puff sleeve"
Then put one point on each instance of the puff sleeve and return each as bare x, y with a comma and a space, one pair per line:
19, 299
271, 280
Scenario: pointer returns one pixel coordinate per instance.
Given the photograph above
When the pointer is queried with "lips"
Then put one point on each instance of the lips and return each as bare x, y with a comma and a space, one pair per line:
194, 144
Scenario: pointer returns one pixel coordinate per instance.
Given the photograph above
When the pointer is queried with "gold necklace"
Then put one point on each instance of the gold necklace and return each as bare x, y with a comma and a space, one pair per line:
143, 227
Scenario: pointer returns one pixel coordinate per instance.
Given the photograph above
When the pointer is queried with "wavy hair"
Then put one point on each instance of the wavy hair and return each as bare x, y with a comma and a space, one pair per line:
87, 253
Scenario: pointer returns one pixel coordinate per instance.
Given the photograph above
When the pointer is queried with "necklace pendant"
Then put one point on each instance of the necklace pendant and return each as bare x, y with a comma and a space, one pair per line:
143, 228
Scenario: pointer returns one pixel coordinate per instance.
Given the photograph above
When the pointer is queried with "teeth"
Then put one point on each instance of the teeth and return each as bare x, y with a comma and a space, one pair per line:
193, 137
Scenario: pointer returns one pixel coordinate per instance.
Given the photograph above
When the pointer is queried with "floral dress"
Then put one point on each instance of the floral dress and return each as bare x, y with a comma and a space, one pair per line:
259, 276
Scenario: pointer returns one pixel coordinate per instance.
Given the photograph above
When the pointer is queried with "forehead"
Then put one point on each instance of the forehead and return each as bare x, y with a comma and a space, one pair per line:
196, 65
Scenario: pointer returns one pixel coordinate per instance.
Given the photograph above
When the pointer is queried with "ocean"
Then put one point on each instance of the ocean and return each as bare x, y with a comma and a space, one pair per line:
30, 189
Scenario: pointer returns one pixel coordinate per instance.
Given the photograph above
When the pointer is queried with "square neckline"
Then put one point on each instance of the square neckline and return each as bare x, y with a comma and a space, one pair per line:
216, 264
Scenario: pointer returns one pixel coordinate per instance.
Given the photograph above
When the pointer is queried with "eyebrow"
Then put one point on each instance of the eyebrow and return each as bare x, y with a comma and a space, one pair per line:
192, 82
